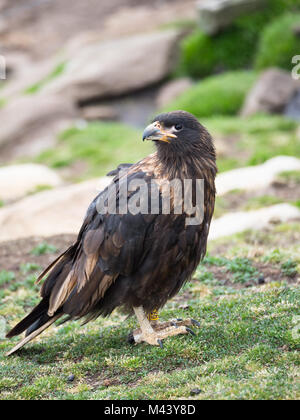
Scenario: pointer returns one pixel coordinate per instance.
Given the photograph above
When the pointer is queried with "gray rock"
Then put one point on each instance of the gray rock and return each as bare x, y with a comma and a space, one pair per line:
18, 180
26, 115
48, 213
271, 93
292, 110
172, 90
217, 14
112, 68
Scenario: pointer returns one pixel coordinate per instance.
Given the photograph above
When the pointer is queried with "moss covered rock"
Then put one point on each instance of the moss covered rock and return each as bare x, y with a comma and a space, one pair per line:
279, 43
216, 95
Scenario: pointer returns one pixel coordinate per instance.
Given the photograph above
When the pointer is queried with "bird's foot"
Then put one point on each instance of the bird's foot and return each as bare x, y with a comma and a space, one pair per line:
162, 330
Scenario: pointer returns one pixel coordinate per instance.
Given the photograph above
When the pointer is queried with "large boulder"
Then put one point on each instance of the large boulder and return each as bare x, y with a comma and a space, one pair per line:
217, 14
256, 177
236, 222
112, 68
271, 93
171, 90
31, 116
18, 180
50, 212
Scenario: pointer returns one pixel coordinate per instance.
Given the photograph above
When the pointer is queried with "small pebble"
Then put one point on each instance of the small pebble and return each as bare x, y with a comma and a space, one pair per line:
71, 378
195, 391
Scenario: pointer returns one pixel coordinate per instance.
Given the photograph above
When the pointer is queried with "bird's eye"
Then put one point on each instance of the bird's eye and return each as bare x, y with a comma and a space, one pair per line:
178, 127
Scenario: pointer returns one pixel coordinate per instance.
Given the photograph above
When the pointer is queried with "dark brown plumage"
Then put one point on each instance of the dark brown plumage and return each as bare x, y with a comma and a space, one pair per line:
133, 260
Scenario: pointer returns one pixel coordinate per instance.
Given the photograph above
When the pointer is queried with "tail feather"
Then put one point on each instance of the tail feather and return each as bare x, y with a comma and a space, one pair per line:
34, 315
34, 334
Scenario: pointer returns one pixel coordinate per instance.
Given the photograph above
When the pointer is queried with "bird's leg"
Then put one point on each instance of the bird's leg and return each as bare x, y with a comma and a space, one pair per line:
153, 333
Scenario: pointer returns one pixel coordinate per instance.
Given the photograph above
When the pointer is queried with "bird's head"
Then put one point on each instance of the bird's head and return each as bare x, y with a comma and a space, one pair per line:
179, 132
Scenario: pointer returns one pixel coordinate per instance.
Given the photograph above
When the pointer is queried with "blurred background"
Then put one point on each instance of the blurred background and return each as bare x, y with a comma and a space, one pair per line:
79, 85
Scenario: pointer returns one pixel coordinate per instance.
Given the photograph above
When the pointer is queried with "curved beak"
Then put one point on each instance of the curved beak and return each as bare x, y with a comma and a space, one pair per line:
155, 132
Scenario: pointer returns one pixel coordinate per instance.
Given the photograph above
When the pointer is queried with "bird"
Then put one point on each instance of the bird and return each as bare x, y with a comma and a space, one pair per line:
136, 260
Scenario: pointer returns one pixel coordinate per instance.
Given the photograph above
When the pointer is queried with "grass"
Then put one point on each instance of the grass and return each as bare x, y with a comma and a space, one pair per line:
99, 147
96, 148
43, 248
216, 95
290, 176
246, 347
57, 71
235, 47
278, 43
259, 138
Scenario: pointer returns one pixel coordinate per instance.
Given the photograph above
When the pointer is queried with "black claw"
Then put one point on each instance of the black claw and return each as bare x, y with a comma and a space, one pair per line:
194, 322
179, 319
190, 331
130, 339
160, 344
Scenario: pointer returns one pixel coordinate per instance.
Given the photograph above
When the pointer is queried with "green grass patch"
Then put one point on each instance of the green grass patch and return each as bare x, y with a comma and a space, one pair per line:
216, 95
43, 248
279, 43
59, 69
289, 268
245, 348
261, 137
234, 47
263, 201
101, 146
290, 176
6, 277
241, 268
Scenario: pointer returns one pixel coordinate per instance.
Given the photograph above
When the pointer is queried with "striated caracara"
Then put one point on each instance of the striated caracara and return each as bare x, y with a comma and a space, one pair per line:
140, 257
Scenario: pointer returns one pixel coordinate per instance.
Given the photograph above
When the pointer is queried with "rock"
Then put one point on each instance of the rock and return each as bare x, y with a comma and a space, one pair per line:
23, 72
99, 112
195, 391
50, 212
236, 222
255, 177
217, 14
292, 109
30, 114
71, 378
18, 180
95, 71
172, 90
271, 93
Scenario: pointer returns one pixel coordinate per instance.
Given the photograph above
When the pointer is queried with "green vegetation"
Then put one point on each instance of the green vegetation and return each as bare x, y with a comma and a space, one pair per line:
59, 69
263, 201
6, 277
3, 102
242, 268
233, 48
43, 248
245, 348
216, 95
28, 267
290, 176
100, 146
289, 268
278, 43
258, 139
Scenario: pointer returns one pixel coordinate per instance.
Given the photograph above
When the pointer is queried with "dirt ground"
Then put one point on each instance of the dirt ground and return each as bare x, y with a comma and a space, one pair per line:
15, 253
